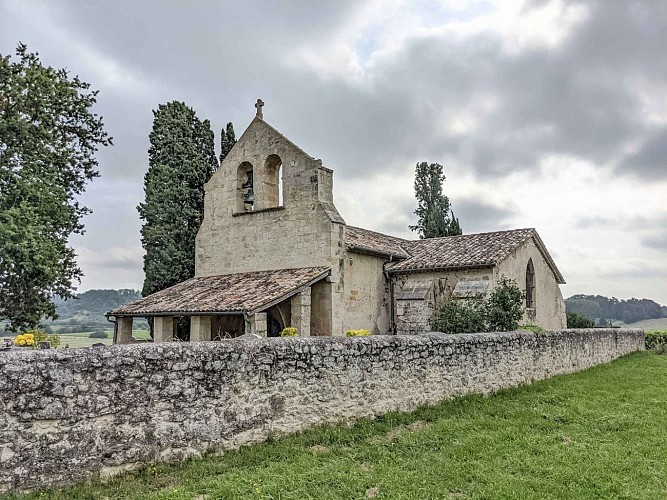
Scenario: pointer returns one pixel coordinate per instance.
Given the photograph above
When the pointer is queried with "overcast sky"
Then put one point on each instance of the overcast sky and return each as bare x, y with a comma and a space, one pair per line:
545, 114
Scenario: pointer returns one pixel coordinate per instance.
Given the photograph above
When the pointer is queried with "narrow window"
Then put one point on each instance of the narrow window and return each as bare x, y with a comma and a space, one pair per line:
530, 285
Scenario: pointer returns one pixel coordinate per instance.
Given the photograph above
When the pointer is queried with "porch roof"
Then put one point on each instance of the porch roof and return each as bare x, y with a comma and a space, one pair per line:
225, 294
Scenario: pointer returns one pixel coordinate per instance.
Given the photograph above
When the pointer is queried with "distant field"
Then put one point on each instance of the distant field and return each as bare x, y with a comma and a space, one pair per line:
82, 339
649, 324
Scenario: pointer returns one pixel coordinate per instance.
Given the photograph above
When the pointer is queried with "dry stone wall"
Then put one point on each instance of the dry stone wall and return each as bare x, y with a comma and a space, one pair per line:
69, 415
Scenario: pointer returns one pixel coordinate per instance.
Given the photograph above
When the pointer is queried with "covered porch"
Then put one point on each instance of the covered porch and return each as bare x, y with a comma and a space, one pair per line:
218, 307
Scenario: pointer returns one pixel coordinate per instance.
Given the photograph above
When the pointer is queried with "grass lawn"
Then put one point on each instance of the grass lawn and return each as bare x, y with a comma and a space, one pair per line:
649, 324
82, 339
596, 434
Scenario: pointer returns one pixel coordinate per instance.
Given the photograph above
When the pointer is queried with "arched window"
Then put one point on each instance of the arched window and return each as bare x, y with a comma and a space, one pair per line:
272, 181
245, 193
530, 285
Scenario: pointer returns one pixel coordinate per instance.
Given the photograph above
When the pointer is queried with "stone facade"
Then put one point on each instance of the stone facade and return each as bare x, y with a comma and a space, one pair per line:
549, 307
69, 415
412, 315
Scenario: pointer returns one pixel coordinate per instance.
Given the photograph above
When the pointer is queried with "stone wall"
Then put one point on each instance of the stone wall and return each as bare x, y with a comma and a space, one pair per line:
68, 415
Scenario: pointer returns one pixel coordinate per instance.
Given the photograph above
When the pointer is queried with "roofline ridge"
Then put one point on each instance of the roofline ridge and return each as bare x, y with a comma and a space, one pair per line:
477, 234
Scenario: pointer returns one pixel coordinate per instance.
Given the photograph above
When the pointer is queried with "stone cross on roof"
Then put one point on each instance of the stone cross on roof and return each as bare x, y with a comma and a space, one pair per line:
259, 104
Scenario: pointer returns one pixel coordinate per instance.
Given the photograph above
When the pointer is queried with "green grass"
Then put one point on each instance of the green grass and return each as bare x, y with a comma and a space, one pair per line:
596, 434
82, 339
649, 324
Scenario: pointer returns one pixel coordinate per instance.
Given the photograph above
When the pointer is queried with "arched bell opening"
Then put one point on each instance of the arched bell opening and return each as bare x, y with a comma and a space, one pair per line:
272, 181
245, 192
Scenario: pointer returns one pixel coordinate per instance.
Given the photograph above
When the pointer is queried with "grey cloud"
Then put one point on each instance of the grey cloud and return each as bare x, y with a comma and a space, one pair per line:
477, 216
658, 241
593, 222
650, 162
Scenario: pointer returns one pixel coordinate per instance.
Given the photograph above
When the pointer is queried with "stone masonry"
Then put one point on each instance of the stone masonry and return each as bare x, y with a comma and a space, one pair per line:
69, 415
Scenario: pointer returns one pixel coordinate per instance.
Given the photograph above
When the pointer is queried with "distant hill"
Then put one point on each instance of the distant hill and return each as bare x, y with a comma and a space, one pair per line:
94, 302
603, 309
86, 311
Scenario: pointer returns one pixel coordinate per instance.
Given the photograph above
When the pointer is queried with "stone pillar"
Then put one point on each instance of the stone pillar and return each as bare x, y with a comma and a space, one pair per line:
124, 330
256, 323
163, 328
301, 312
200, 328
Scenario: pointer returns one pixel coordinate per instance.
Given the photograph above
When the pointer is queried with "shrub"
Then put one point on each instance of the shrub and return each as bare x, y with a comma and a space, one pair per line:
504, 307
53, 339
98, 334
576, 320
459, 317
356, 333
656, 340
289, 332
25, 340
32, 339
500, 312
537, 330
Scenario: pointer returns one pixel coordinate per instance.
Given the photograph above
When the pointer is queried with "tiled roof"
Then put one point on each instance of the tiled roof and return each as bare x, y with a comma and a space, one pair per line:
365, 241
471, 250
243, 292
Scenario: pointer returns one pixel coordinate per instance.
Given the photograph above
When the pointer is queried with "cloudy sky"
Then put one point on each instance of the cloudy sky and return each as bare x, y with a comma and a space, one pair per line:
546, 113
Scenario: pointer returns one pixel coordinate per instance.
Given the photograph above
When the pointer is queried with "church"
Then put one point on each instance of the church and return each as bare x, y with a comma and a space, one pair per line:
273, 252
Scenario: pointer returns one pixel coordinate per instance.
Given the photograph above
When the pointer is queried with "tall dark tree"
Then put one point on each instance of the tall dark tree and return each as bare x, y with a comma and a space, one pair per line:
181, 160
436, 217
227, 140
48, 140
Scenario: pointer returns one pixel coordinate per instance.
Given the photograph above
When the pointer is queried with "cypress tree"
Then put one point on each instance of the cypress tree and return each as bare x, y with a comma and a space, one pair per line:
435, 216
227, 140
181, 160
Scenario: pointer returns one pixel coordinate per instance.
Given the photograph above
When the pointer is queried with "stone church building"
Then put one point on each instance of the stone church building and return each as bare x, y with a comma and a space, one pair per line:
273, 252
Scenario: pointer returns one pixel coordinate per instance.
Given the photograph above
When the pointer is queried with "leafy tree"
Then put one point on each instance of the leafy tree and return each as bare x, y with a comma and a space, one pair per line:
181, 160
605, 308
576, 320
227, 140
433, 209
48, 140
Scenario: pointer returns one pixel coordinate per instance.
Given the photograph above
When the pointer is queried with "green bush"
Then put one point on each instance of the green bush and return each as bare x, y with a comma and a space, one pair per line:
537, 330
459, 317
500, 312
504, 307
98, 334
356, 333
289, 332
656, 340
576, 320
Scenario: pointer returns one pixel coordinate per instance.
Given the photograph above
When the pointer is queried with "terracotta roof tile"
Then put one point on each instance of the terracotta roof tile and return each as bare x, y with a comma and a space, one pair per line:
471, 250
365, 241
243, 292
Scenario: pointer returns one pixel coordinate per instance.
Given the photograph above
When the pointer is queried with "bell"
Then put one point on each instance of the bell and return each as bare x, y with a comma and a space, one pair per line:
248, 182
249, 197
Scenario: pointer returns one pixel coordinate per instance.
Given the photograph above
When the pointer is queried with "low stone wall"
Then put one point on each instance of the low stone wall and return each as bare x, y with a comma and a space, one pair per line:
68, 415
